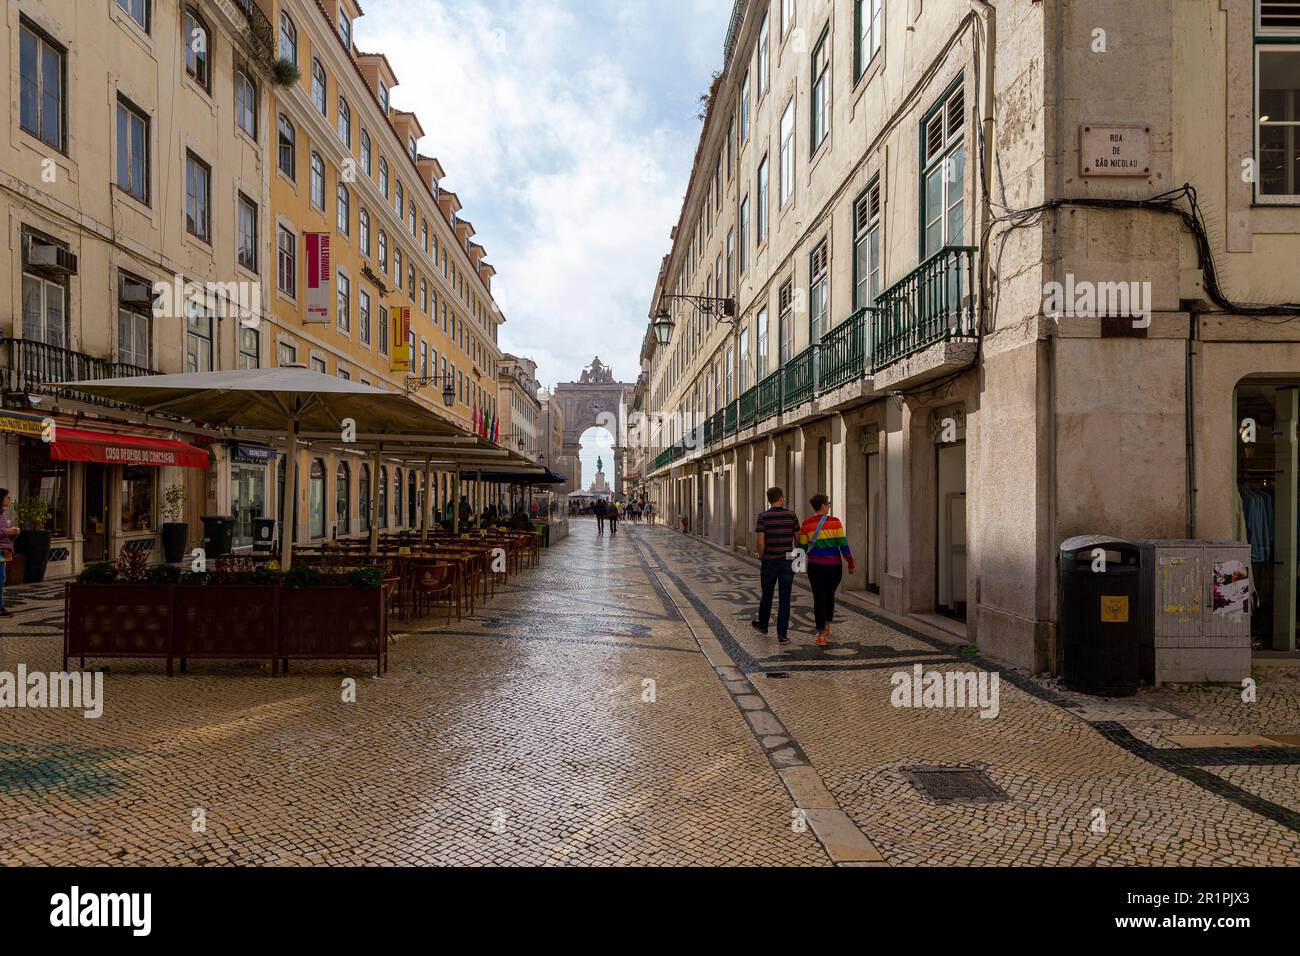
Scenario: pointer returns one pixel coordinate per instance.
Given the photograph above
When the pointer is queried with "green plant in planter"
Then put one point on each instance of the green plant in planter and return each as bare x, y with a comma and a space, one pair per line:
285, 72
300, 577
174, 501
33, 514
105, 572
264, 577
196, 579
163, 574
364, 578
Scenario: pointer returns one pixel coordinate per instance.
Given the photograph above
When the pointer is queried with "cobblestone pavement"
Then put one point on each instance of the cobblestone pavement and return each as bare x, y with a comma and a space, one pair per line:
614, 707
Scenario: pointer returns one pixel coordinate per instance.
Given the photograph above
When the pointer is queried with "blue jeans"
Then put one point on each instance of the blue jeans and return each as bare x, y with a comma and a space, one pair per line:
776, 571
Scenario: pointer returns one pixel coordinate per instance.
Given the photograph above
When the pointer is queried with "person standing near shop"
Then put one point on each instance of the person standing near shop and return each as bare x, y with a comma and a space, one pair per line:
777, 528
823, 538
7, 535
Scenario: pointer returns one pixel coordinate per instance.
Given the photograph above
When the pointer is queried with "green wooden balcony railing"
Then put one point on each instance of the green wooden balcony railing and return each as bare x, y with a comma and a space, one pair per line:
933, 303
730, 418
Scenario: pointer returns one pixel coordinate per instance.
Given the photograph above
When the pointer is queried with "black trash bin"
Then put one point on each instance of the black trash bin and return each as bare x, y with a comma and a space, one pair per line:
218, 536
1100, 615
263, 535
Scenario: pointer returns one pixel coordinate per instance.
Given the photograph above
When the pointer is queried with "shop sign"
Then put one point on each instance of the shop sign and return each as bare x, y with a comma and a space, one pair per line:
26, 426
253, 455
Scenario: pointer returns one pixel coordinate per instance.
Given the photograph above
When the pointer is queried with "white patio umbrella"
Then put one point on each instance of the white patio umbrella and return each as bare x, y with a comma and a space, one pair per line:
296, 400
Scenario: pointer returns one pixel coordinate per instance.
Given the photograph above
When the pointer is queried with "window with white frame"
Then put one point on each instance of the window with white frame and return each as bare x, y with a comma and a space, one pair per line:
345, 123
363, 315
198, 337
819, 292
764, 56
288, 39
287, 159
345, 210
787, 16
366, 154
744, 108
866, 247
132, 151
319, 88
1277, 102
785, 323
137, 10
344, 301
246, 233
821, 90
744, 235
133, 324
761, 222
787, 154
943, 135
287, 262
317, 181
869, 20
246, 102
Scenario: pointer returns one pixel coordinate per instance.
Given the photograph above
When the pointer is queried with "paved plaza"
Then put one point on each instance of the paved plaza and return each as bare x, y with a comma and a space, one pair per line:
614, 707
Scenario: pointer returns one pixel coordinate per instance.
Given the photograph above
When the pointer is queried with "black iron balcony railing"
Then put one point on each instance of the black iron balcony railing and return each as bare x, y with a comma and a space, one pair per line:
35, 368
800, 378
933, 303
769, 396
843, 354
260, 32
730, 418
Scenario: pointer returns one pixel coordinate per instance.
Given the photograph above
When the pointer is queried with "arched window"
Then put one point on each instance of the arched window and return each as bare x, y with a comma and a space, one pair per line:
365, 153
345, 210
383, 251
343, 498
288, 39
383, 497
363, 231
400, 199
198, 48
383, 176
319, 87
288, 160
317, 181
363, 498
345, 122
316, 499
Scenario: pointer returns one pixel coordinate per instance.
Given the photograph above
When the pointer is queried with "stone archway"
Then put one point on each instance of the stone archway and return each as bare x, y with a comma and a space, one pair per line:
595, 401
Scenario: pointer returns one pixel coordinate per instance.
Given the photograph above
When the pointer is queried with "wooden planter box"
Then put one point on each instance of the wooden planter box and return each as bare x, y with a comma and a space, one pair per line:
171, 622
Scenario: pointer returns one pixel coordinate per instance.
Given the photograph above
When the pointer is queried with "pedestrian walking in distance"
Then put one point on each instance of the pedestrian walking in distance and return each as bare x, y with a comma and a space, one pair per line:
599, 510
777, 529
612, 515
823, 539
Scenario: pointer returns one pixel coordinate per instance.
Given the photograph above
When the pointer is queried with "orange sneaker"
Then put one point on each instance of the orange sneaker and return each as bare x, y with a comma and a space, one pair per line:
821, 639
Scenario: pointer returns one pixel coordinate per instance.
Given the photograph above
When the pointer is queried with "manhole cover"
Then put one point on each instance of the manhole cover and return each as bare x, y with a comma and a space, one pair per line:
946, 785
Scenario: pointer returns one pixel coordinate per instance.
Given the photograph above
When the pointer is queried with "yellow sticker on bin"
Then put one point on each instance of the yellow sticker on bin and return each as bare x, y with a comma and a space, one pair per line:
1114, 610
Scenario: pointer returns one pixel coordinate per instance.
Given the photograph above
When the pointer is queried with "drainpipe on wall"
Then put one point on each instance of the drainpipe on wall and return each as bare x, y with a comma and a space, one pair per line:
1189, 415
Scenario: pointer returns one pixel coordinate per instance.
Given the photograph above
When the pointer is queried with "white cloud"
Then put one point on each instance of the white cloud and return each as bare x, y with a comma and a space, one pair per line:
567, 130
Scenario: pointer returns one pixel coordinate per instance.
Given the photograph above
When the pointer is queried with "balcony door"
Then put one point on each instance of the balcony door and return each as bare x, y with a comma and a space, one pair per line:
950, 550
94, 521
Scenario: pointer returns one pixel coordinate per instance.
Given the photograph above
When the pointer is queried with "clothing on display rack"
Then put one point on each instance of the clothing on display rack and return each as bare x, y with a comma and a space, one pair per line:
1259, 512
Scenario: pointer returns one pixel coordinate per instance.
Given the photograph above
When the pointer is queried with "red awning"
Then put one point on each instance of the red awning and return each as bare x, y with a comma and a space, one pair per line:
74, 444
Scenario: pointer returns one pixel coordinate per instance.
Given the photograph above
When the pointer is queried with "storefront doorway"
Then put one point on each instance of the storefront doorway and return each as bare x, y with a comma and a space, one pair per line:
950, 502
94, 524
1267, 509
871, 518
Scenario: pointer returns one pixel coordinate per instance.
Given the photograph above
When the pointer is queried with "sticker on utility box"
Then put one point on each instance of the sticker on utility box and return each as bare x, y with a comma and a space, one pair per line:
1114, 610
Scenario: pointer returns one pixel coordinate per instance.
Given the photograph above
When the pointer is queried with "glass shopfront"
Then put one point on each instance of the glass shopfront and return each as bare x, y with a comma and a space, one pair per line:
40, 476
316, 499
139, 499
248, 464
1267, 506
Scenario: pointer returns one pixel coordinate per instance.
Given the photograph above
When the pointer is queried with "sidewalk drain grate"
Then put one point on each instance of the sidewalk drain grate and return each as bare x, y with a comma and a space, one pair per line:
946, 785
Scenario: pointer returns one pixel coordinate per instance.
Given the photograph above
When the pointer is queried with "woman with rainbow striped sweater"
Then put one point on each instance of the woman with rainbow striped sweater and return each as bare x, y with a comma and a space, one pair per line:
823, 539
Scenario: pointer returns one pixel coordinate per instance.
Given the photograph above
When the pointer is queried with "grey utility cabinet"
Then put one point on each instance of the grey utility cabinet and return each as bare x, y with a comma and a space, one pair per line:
1197, 598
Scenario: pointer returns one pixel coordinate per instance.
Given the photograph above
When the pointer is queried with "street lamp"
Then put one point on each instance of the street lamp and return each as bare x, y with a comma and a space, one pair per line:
724, 310
663, 326
448, 390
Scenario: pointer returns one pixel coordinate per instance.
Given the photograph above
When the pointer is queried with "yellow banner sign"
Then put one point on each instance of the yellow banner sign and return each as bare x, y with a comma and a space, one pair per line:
22, 425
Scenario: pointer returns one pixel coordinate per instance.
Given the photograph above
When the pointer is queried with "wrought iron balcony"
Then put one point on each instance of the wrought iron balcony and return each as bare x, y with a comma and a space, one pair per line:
843, 354
800, 378
730, 417
35, 367
933, 303
261, 34
749, 407
769, 396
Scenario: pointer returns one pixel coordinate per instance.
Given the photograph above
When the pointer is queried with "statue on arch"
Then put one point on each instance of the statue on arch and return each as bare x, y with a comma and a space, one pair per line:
598, 373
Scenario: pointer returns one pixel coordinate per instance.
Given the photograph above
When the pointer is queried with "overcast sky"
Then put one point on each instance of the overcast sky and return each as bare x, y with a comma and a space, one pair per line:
567, 128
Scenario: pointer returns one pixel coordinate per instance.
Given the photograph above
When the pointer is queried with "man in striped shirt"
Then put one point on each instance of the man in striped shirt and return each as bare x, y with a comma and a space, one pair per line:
776, 528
